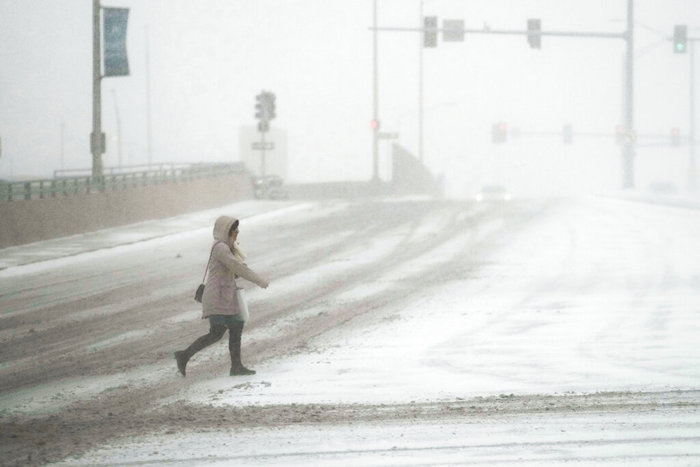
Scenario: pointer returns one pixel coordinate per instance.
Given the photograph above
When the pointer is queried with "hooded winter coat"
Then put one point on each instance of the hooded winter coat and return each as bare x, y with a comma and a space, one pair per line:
225, 265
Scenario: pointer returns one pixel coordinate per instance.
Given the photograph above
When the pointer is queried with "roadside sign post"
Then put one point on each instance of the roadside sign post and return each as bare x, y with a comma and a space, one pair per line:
258, 146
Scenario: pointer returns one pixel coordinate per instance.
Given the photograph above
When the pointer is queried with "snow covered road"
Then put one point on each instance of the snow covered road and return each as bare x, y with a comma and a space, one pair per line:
408, 319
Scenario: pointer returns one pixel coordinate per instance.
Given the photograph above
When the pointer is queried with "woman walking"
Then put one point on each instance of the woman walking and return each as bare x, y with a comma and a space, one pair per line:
218, 302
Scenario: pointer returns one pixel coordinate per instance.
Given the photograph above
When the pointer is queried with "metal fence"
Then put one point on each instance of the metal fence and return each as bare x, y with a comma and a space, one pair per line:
114, 180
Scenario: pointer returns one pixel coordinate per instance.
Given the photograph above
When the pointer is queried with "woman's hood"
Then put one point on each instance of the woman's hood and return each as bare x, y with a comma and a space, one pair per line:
221, 228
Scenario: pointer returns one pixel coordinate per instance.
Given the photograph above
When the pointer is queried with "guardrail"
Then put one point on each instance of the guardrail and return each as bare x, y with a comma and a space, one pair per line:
160, 166
114, 181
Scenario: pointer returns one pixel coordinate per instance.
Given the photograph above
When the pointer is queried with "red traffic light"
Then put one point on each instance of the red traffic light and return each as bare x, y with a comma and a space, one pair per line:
374, 124
675, 136
499, 132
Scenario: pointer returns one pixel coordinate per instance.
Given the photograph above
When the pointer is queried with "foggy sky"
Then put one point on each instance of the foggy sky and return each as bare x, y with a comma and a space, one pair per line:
208, 59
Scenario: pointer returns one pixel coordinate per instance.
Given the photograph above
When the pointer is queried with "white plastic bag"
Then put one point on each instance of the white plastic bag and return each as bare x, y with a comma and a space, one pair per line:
241, 304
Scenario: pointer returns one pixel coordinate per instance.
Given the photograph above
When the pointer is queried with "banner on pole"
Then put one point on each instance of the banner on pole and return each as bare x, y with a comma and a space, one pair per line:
116, 60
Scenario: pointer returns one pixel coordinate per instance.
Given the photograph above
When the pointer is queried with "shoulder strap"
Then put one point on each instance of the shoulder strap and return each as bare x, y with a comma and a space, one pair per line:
206, 270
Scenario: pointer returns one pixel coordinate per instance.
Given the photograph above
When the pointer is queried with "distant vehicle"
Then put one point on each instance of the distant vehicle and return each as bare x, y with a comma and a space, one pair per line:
493, 193
269, 187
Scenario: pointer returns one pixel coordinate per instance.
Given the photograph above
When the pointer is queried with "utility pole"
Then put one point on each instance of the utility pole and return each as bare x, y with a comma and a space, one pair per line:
375, 103
97, 138
628, 146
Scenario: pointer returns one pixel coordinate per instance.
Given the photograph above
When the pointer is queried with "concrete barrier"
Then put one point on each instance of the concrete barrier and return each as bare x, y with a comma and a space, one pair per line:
30, 220
26, 221
409, 175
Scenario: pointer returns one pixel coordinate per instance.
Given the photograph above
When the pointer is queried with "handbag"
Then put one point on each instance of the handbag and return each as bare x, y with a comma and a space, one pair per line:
199, 293
241, 304
200, 290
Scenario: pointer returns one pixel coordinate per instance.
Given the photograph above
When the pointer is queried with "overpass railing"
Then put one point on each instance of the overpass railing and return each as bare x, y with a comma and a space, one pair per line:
114, 179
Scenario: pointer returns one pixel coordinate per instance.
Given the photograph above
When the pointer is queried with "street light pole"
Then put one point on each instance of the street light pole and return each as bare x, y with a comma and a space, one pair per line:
149, 142
96, 141
628, 147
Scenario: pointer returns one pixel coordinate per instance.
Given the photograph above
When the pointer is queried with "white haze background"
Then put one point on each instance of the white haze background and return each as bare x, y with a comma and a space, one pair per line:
208, 59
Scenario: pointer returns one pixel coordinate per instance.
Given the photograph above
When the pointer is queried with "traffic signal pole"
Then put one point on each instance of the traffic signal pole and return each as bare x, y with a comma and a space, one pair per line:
506, 32
375, 102
628, 149
262, 155
420, 87
628, 146
692, 169
682, 44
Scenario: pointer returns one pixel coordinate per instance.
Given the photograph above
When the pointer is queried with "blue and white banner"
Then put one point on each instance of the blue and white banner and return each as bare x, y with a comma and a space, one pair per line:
116, 60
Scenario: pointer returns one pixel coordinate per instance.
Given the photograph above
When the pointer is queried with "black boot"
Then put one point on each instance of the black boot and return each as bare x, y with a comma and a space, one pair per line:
183, 356
234, 347
239, 370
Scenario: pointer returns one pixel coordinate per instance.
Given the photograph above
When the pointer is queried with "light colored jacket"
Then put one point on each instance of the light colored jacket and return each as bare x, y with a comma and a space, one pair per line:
225, 265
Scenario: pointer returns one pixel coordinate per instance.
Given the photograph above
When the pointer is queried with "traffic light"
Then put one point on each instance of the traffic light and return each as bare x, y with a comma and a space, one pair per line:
430, 31
568, 133
260, 106
675, 137
680, 38
265, 106
270, 101
534, 33
499, 132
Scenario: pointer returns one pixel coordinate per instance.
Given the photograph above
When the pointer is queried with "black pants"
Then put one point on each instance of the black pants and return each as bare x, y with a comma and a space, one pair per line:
216, 332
